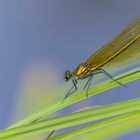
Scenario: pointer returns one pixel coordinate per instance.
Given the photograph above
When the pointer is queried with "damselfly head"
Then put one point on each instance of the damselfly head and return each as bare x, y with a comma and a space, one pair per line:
67, 75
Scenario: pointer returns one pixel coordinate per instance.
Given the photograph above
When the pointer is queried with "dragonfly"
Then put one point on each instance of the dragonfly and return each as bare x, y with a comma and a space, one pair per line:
122, 50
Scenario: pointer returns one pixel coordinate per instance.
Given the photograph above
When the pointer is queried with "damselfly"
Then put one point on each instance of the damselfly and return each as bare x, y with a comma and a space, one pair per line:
123, 49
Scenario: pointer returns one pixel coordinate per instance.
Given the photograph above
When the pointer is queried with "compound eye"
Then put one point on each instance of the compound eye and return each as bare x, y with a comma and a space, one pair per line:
65, 77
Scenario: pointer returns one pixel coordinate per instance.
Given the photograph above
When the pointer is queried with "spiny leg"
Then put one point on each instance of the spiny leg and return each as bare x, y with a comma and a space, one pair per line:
69, 92
88, 83
111, 77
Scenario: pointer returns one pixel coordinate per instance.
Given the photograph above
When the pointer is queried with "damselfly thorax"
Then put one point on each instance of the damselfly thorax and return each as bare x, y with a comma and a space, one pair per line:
84, 71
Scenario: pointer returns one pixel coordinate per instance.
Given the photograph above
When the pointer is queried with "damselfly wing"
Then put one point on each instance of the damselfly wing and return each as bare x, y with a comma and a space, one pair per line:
123, 49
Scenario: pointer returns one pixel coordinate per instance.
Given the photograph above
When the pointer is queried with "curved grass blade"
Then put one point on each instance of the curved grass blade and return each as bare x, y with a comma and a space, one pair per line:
123, 78
73, 119
102, 130
115, 127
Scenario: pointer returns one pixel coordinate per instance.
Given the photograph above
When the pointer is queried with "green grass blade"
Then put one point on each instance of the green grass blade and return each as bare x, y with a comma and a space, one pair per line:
72, 119
115, 127
123, 78
106, 129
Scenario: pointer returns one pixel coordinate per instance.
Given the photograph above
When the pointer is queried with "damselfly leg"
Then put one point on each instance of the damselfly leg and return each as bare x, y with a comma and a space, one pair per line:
70, 91
88, 83
101, 70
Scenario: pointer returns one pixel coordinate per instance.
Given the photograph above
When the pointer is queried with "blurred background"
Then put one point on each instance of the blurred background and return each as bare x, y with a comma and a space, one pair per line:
40, 39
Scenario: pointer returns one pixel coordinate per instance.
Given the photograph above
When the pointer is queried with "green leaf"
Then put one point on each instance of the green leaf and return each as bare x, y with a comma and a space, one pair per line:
72, 119
123, 78
29, 126
115, 127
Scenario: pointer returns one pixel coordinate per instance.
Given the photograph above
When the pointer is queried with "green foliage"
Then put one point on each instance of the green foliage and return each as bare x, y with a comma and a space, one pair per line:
111, 127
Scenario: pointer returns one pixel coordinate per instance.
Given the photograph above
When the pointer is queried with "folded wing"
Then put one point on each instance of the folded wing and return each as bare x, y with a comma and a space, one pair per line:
122, 50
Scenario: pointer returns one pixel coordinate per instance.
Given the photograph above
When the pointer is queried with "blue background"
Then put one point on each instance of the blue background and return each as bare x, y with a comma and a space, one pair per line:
63, 33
